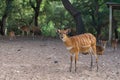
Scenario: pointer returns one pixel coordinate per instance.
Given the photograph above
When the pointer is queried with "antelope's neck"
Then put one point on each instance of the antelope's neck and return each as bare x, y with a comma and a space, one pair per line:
67, 41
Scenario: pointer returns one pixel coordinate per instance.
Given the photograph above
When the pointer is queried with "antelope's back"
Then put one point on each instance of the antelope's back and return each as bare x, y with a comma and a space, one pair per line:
24, 28
84, 41
92, 38
11, 34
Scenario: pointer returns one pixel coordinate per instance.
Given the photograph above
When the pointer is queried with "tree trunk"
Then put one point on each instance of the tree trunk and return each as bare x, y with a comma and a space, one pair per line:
76, 15
36, 10
36, 18
96, 19
5, 15
2, 24
116, 33
114, 26
99, 36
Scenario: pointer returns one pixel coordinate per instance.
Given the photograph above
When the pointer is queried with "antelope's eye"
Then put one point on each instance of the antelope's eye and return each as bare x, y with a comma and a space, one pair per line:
60, 33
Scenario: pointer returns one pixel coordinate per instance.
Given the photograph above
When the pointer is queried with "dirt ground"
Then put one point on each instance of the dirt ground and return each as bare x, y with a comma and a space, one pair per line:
48, 59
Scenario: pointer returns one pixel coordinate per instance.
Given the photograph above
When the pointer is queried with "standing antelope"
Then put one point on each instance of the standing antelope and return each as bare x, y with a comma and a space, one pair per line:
114, 43
35, 30
103, 43
84, 43
12, 35
24, 29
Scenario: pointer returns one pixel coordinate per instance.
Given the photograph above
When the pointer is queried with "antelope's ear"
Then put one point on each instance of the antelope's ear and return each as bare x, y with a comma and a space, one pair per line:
68, 31
58, 30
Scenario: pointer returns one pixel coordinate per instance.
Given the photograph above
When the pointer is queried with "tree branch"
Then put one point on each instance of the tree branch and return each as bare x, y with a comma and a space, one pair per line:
70, 8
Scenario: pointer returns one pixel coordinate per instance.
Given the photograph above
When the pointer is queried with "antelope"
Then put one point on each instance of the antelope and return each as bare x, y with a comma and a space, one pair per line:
12, 35
103, 43
114, 43
99, 50
83, 43
34, 30
24, 29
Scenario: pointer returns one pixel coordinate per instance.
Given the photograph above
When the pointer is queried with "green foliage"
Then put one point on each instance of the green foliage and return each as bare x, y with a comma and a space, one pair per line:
54, 11
2, 8
94, 13
117, 1
118, 29
53, 15
49, 29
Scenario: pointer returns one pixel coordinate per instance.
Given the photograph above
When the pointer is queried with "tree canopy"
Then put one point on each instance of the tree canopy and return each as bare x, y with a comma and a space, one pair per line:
51, 14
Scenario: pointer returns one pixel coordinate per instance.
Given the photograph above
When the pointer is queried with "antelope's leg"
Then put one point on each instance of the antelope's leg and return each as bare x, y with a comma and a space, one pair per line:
114, 48
90, 51
22, 33
96, 61
91, 61
33, 35
71, 59
96, 56
27, 33
76, 58
75, 64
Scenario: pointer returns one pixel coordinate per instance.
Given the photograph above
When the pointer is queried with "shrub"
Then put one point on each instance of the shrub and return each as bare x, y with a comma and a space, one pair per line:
49, 29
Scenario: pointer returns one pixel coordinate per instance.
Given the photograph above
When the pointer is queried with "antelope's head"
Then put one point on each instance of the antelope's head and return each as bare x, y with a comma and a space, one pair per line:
103, 43
63, 33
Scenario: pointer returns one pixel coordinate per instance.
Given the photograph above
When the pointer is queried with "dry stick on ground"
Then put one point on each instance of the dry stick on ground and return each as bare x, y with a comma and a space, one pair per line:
84, 43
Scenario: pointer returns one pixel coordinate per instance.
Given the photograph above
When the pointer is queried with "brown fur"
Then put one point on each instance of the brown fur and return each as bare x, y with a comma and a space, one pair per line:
24, 29
114, 44
103, 43
34, 30
99, 50
84, 43
12, 35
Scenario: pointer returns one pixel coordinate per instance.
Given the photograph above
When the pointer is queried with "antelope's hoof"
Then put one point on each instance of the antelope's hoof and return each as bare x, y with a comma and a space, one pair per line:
75, 69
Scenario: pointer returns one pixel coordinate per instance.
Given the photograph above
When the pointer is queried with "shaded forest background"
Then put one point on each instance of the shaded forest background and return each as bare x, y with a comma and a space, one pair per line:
50, 15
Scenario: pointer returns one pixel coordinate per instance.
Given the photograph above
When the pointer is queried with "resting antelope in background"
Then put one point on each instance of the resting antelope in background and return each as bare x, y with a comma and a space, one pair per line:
84, 43
24, 29
12, 35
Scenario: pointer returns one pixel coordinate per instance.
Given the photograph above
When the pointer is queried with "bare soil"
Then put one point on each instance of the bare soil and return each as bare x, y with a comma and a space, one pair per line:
48, 59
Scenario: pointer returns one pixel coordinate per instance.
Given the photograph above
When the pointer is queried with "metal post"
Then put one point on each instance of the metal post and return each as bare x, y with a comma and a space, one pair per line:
110, 23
